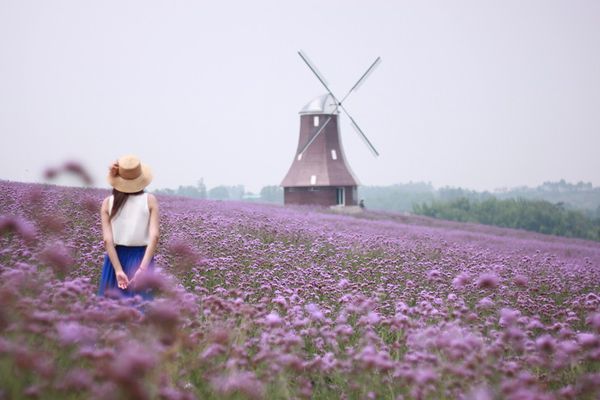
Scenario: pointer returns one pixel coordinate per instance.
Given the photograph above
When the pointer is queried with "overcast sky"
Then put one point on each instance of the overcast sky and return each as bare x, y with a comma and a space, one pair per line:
479, 94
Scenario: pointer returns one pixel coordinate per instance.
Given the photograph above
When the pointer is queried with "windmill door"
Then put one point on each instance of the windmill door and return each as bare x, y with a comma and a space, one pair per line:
340, 196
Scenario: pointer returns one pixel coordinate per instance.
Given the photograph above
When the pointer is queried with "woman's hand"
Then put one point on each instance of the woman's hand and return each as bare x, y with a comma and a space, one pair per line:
140, 271
122, 280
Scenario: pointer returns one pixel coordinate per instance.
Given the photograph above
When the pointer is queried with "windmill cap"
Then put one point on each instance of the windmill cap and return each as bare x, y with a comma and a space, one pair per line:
324, 104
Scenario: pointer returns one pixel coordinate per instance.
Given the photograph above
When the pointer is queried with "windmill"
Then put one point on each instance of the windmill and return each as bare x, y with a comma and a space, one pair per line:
319, 174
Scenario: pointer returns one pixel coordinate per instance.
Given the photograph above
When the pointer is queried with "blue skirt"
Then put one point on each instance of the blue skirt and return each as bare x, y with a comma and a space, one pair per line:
130, 258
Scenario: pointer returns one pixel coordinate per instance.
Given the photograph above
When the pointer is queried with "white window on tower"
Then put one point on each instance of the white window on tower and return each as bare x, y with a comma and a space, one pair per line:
313, 179
316, 120
333, 154
299, 156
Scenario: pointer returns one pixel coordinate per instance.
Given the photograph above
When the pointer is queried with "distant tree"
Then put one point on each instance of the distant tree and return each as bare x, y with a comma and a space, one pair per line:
218, 193
398, 197
188, 191
235, 192
201, 188
164, 191
534, 215
272, 194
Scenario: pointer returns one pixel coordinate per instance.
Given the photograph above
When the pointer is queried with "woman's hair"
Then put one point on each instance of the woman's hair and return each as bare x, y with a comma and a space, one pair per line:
120, 198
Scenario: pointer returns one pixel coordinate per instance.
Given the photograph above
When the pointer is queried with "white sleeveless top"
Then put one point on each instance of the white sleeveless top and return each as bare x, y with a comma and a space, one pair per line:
131, 224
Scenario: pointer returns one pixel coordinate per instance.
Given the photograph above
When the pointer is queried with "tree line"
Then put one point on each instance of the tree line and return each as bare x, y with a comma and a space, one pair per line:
401, 197
268, 194
532, 215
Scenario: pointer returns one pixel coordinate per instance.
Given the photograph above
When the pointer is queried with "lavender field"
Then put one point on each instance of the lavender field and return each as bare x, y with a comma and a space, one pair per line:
256, 301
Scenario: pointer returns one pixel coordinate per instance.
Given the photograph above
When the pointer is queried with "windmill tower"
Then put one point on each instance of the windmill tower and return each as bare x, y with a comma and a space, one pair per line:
319, 174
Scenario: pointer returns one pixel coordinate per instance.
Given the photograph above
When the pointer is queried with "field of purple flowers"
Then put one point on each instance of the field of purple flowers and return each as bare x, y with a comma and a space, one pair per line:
256, 301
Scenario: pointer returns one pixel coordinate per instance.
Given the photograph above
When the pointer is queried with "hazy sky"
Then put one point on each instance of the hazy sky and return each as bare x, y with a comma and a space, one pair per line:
479, 94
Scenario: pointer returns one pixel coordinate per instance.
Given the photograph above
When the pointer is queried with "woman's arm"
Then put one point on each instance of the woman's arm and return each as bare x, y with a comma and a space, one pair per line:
110, 245
153, 232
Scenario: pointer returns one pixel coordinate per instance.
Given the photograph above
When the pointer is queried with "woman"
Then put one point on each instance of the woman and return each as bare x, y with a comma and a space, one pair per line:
129, 227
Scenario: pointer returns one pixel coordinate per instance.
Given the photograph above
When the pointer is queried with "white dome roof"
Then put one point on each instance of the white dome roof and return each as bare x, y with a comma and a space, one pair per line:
324, 104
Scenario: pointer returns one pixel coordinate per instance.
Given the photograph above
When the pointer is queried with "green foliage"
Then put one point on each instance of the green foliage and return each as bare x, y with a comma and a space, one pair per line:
272, 194
218, 193
268, 194
401, 197
198, 191
532, 215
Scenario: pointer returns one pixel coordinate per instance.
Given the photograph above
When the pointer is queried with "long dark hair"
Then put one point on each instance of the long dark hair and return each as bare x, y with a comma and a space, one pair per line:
120, 199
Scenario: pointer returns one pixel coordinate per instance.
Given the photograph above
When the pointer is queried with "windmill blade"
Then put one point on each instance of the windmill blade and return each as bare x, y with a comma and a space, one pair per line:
312, 139
361, 133
315, 71
313, 67
362, 79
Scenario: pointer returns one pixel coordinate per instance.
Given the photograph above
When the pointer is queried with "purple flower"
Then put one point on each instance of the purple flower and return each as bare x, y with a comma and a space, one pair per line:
372, 318
594, 321
77, 379
243, 382
488, 281
433, 274
273, 319
281, 301
424, 376
165, 316
131, 362
545, 344
480, 392
315, 312
219, 334
461, 280
152, 280
343, 283
73, 332
212, 350
587, 339
78, 169
508, 317
58, 256
521, 280
72, 167
485, 304
20, 226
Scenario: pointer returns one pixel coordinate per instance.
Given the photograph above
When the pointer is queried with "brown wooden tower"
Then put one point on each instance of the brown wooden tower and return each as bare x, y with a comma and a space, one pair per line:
320, 174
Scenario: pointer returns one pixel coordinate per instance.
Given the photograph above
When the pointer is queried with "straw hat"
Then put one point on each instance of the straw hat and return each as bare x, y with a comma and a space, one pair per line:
131, 175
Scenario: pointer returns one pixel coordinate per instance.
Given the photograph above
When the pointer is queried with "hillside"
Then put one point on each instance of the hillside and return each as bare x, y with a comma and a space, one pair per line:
261, 301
